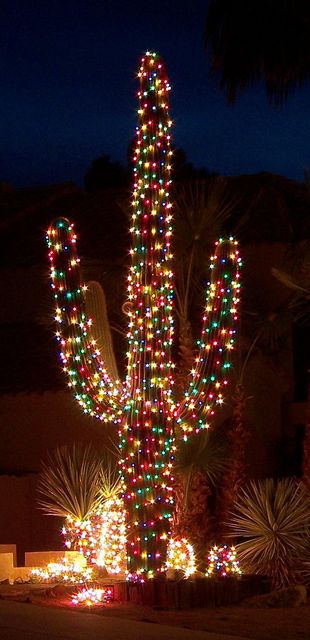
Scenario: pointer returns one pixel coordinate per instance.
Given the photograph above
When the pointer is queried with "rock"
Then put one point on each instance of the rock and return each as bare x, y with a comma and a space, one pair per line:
292, 596
175, 574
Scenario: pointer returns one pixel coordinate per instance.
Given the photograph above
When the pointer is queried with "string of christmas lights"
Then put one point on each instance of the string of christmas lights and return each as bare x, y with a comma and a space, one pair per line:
66, 572
83, 536
111, 552
94, 389
222, 561
147, 435
101, 538
144, 406
209, 377
91, 596
181, 557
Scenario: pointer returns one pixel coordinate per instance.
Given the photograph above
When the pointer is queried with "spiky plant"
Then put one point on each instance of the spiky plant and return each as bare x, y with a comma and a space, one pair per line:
273, 519
70, 482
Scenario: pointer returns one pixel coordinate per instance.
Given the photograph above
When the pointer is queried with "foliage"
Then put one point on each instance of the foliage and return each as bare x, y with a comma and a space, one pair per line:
105, 173
183, 170
298, 283
74, 481
207, 452
273, 519
200, 464
262, 41
201, 209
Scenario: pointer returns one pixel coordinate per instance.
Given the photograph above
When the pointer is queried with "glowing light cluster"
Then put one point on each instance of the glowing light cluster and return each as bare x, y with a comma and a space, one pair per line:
102, 537
111, 553
143, 405
222, 561
66, 572
92, 596
83, 536
181, 557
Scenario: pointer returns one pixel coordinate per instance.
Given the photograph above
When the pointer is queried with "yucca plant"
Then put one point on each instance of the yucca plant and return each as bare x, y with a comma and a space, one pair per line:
273, 519
73, 482
84, 489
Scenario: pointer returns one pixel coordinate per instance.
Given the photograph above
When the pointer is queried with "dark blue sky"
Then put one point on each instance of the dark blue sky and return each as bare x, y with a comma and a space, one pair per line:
68, 86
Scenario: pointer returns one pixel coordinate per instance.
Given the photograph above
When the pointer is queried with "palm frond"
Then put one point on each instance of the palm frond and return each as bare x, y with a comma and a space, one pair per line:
206, 452
202, 208
264, 42
288, 280
299, 304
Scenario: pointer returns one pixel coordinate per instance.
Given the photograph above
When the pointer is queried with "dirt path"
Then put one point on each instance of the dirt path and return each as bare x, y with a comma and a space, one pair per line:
252, 623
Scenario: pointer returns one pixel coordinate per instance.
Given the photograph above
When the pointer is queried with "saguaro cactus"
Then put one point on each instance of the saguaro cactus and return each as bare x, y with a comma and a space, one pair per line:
143, 405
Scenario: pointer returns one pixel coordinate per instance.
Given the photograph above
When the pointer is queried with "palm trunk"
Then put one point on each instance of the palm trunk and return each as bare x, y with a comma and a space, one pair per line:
193, 519
234, 477
306, 443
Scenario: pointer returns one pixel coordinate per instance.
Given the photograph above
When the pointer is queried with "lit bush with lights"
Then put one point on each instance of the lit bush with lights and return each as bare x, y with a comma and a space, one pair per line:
181, 557
102, 537
65, 572
222, 562
92, 596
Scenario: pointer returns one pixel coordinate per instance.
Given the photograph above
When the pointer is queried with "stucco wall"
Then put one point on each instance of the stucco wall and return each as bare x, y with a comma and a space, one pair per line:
33, 424
22, 522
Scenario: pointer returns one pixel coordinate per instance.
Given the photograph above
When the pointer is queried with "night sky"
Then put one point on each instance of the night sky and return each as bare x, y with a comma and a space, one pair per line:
68, 85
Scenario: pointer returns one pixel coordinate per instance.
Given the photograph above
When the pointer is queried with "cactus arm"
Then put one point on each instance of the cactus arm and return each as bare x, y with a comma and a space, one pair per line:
96, 308
93, 388
208, 378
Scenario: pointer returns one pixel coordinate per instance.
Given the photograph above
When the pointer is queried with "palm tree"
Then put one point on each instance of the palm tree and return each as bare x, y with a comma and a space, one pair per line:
199, 467
299, 306
202, 207
202, 210
270, 331
266, 41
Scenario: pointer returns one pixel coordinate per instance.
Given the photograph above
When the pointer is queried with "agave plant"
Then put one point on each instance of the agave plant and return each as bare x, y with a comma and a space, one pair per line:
273, 519
73, 482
